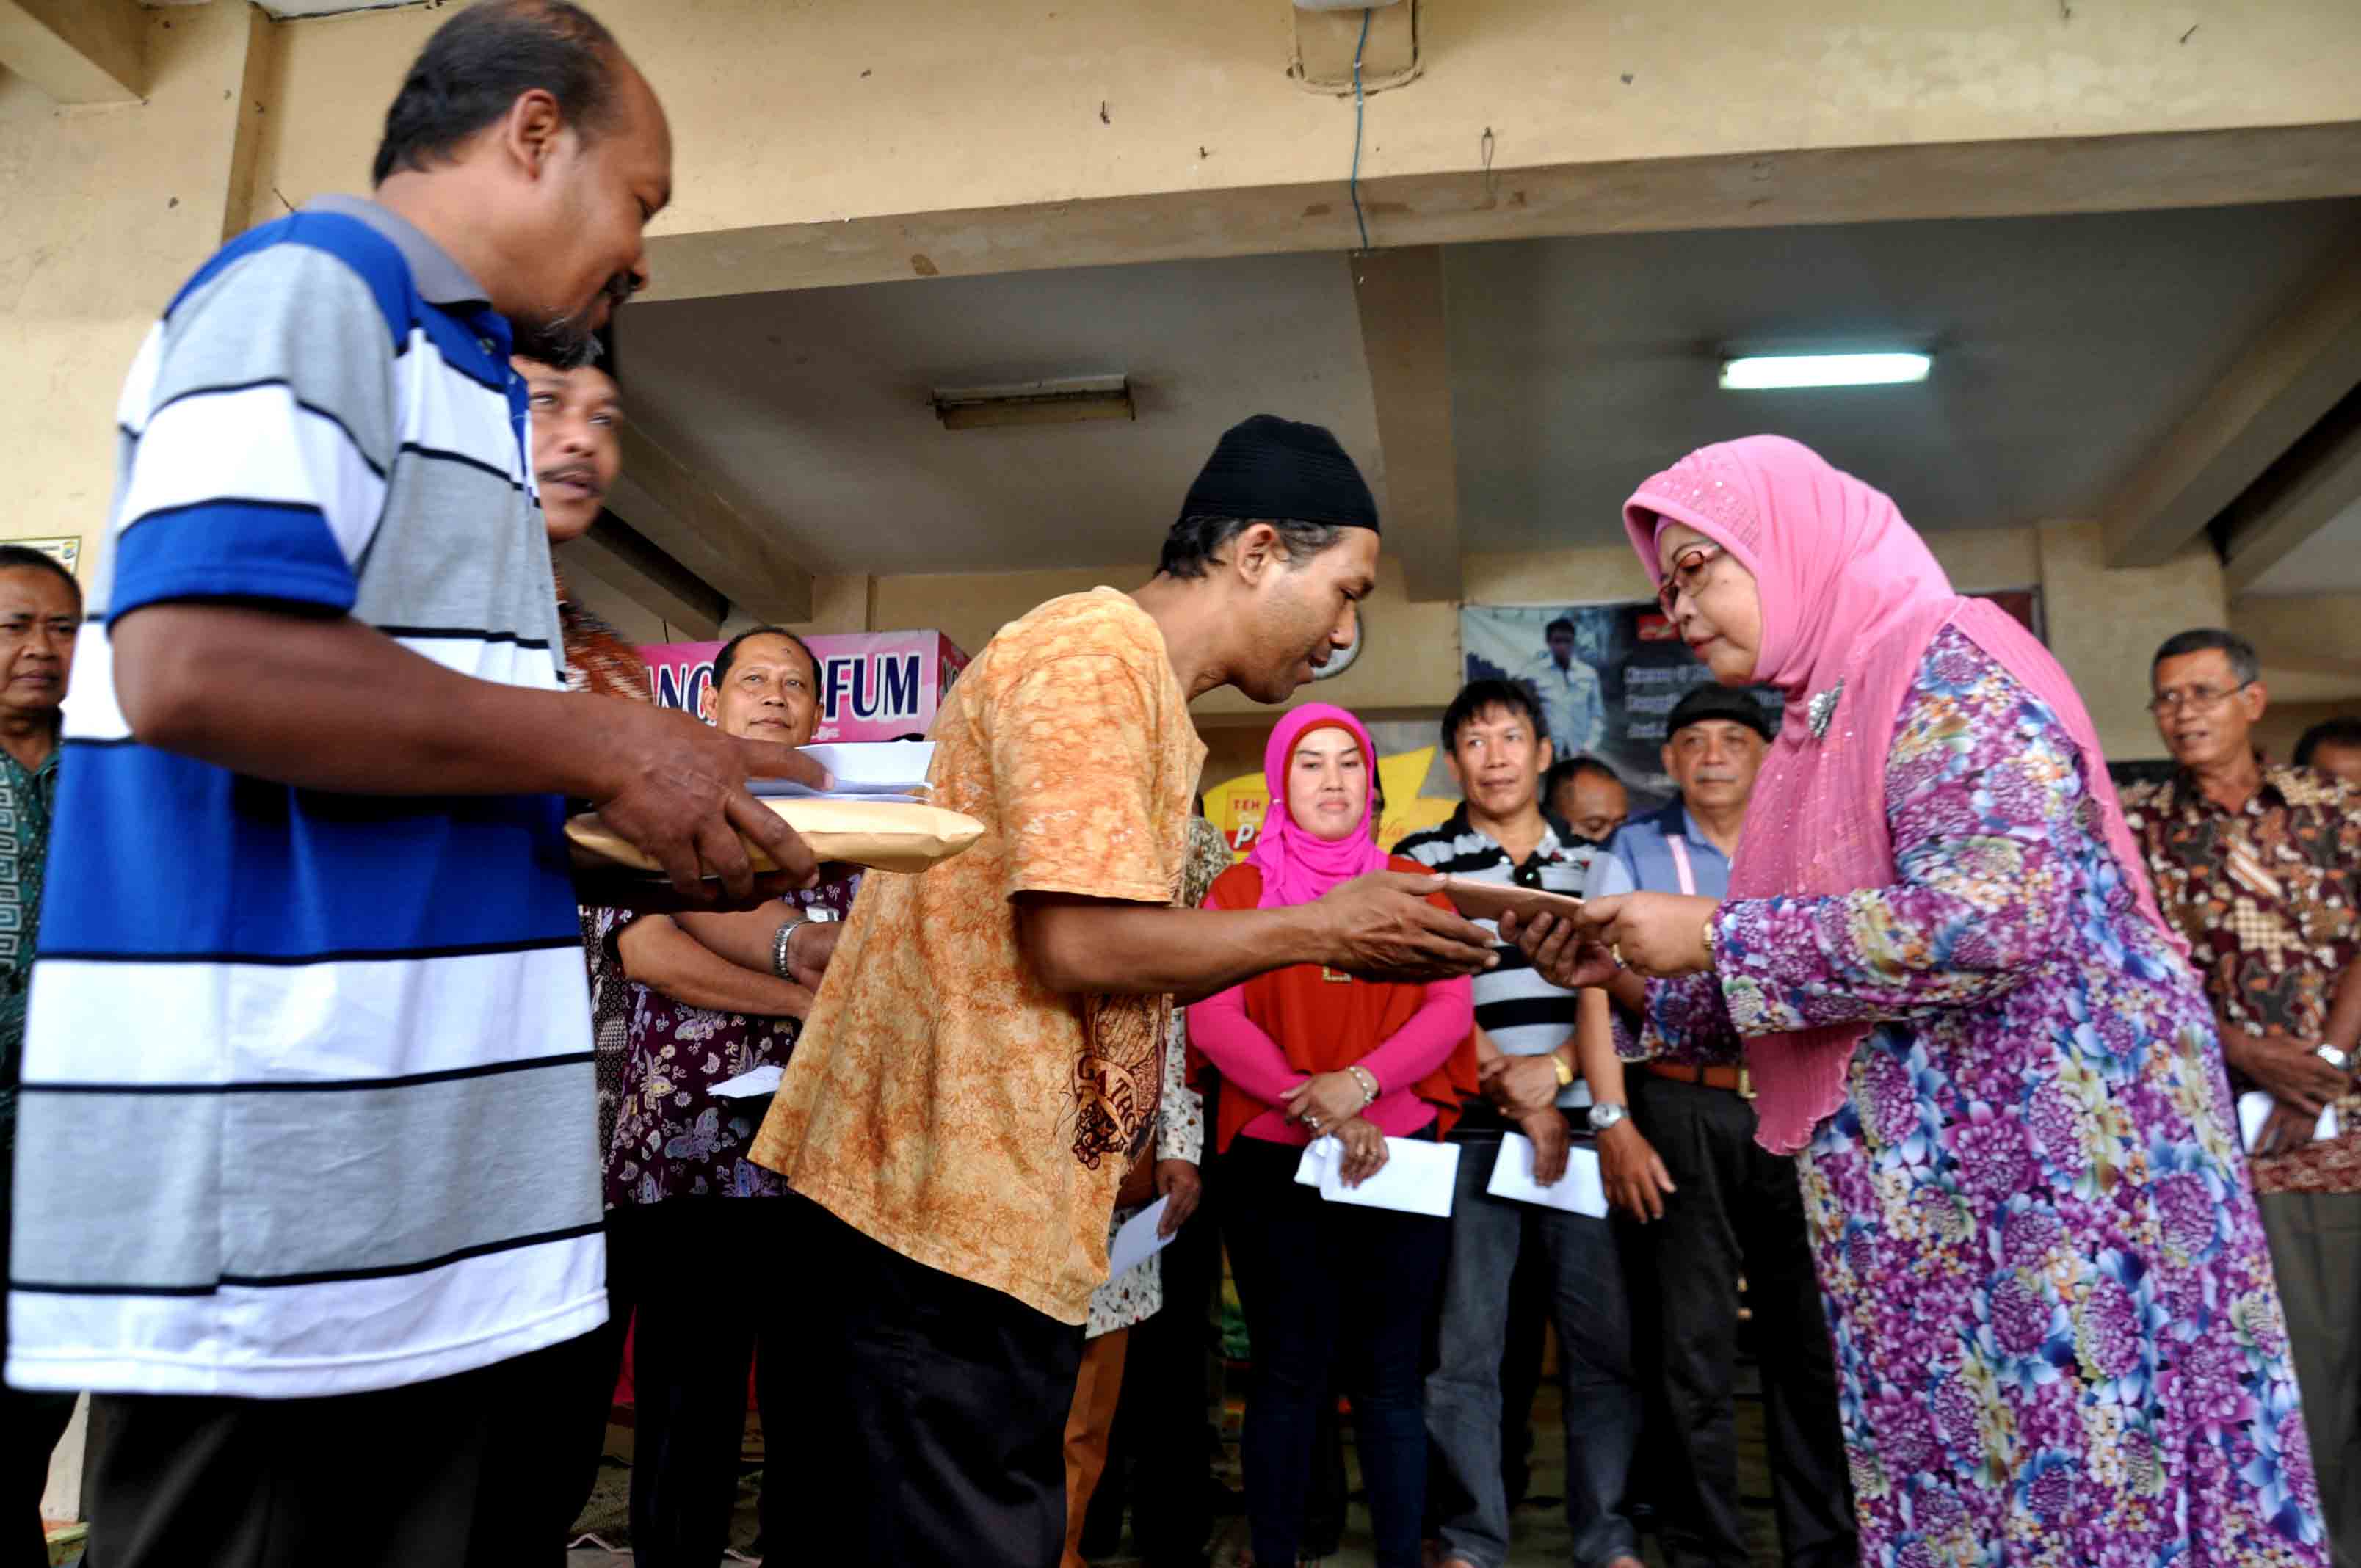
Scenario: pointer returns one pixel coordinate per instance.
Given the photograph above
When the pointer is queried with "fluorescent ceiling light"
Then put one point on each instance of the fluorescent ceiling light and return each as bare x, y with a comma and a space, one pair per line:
1075, 400
1772, 372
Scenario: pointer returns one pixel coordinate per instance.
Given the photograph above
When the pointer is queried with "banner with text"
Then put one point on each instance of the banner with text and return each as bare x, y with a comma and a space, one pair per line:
873, 685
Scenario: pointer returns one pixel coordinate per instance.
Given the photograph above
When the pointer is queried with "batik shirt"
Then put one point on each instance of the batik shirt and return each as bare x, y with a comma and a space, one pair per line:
672, 1137
24, 800
2266, 898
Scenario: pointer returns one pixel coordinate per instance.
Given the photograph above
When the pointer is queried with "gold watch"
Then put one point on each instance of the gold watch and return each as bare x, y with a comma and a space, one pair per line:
1565, 1072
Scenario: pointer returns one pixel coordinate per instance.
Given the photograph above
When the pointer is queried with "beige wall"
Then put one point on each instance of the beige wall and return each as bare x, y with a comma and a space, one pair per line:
2102, 625
839, 143
104, 211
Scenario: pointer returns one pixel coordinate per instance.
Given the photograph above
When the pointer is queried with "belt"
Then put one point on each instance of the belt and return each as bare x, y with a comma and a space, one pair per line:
1735, 1079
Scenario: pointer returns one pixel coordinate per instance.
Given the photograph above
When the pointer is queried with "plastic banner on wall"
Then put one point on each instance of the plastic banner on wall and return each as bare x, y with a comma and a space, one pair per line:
874, 685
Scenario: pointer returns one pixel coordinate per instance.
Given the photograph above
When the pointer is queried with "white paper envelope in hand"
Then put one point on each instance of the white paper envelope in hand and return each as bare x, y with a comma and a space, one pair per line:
1417, 1177
2255, 1115
1578, 1191
1137, 1242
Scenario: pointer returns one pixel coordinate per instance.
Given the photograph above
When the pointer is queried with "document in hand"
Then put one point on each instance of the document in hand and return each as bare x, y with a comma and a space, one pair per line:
1137, 1241
894, 770
2254, 1110
752, 1085
1578, 1191
1416, 1178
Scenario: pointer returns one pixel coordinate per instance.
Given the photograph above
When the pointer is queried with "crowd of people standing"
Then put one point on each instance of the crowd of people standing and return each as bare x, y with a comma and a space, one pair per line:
1894, 1013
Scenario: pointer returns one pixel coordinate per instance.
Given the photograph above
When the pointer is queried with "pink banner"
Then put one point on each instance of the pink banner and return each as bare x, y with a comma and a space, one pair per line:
874, 685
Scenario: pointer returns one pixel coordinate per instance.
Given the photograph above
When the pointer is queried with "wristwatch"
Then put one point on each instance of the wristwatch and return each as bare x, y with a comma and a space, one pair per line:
1712, 940
1564, 1071
1605, 1113
782, 945
2343, 1061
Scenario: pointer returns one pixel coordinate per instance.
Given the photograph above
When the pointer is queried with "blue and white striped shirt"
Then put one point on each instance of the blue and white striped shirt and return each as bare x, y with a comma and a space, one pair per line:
307, 1104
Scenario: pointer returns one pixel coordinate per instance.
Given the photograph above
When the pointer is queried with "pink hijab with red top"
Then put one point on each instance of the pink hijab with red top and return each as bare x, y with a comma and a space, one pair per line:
1852, 598
1298, 865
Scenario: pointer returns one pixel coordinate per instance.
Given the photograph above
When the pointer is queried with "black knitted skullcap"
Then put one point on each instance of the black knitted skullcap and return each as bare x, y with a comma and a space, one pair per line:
1280, 471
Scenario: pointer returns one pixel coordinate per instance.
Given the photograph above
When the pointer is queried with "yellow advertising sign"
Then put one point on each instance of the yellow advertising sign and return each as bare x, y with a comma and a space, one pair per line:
1238, 808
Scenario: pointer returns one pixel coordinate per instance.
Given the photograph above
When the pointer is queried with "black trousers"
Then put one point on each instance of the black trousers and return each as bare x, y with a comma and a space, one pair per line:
689, 1364
589, 1402
935, 1408
460, 1473
1738, 1210
30, 1423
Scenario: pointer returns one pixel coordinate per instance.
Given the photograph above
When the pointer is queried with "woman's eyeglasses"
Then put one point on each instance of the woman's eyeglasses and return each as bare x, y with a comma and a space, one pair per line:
1687, 574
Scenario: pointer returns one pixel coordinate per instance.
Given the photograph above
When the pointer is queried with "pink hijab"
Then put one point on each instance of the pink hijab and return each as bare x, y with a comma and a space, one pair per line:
1296, 867
1850, 599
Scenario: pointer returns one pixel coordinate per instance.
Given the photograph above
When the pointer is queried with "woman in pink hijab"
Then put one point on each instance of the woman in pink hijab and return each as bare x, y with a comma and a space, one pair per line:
1335, 1295
2057, 1334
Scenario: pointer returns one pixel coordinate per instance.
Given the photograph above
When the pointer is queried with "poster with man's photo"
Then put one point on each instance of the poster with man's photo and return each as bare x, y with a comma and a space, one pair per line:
1606, 674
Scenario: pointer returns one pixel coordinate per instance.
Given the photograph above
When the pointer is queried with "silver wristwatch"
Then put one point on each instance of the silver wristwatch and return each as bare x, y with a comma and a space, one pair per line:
2342, 1061
1605, 1113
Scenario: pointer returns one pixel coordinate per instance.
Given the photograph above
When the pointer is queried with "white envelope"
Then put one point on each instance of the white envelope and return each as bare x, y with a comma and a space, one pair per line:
1578, 1191
1417, 1177
1137, 1242
762, 1081
2255, 1111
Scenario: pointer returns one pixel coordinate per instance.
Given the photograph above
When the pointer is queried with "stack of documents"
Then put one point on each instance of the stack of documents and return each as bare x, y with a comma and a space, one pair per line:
865, 770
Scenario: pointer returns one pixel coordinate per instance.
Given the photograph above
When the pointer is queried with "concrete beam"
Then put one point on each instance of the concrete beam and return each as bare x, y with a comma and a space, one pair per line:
1406, 345
2322, 483
682, 515
620, 556
77, 51
2280, 387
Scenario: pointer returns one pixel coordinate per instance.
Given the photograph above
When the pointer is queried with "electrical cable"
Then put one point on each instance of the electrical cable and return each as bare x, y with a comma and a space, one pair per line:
1354, 183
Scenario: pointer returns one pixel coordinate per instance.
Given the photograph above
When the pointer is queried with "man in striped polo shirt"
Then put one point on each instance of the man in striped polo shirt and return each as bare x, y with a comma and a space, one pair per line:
305, 1188
1499, 749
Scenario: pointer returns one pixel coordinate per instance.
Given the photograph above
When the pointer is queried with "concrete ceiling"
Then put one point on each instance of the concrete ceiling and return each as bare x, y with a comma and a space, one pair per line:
2327, 563
2066, 348
814, 406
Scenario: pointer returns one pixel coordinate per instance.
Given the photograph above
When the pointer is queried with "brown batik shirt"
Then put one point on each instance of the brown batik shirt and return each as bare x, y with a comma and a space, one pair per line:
943, 1099
2266, 898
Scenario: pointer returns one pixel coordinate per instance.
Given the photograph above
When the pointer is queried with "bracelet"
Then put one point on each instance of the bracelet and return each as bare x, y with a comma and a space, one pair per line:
1564, 1071
784, 944
1712, 940
1368, 1082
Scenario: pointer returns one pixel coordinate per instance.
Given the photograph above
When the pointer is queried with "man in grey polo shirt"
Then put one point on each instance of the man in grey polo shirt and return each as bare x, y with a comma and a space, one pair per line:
1681, 1156
309, 978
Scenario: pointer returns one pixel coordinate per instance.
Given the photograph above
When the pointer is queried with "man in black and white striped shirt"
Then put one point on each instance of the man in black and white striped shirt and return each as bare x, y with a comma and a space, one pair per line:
1499, 749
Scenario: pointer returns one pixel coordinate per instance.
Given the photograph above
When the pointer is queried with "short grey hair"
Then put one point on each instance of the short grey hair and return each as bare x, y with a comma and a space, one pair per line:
2244, 665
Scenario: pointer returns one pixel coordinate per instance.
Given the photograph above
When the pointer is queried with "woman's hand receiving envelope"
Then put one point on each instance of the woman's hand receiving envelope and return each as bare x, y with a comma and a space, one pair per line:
1653, 934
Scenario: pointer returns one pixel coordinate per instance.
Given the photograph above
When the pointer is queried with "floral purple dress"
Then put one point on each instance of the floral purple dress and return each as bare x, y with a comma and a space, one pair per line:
2057, 1335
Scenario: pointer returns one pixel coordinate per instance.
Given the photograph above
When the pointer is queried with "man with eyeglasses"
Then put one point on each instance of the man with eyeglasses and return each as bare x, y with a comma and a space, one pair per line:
2259, 866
